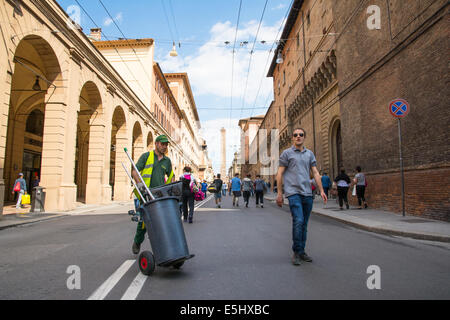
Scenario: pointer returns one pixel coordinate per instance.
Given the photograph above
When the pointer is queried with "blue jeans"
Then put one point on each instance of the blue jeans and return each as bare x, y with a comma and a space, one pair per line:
301, 207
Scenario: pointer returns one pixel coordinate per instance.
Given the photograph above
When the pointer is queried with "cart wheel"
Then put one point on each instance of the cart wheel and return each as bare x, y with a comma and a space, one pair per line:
146, 263
178, 265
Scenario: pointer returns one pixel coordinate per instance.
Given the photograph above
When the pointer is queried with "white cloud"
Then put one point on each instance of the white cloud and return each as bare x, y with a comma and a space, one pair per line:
108, 21
279, 7
210, 67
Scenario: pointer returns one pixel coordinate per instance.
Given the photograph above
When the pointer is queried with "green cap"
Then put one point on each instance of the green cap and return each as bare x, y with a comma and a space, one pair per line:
162, 139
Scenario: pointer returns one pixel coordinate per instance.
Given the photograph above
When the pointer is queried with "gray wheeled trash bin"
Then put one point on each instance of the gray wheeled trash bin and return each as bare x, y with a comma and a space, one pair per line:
38, 200
166, 234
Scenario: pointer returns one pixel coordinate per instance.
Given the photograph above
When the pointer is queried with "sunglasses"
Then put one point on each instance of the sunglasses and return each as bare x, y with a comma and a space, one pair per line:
299, 135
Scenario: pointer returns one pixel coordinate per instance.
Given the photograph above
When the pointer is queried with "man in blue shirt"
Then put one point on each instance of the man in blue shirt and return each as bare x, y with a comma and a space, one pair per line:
204, 187
326, 183
236, 187
296, 165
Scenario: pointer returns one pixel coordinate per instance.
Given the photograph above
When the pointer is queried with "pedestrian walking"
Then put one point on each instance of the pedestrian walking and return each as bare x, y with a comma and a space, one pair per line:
247, 187
218, 195
260, 187
295, 166
188, 194
229, 187
236, 188
20, 186
326, 183
224, 189
343, 184
154, 166
204, 186
361, 183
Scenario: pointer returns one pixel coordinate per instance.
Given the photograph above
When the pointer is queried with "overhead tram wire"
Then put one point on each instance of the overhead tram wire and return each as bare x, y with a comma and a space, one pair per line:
117, 51
167, 19
283, 40
174, 22
126, 39
269, 55
232, 63
251, 57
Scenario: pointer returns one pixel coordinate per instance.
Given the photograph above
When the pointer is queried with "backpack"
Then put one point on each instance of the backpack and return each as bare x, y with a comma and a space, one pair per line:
189, 185
17, 187
212, 188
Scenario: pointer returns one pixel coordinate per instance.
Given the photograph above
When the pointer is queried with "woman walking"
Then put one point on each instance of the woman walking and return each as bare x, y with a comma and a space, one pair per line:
361, 183
343, 184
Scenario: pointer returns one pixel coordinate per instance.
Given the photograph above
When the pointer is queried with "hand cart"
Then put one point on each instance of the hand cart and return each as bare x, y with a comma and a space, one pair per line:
161, 216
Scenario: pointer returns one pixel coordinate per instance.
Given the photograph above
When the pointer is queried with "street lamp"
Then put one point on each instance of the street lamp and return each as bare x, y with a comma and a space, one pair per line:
280, 59
36, 86
174, 53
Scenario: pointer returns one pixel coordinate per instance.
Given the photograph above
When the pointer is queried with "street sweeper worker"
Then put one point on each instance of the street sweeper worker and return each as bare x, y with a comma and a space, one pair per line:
154, 167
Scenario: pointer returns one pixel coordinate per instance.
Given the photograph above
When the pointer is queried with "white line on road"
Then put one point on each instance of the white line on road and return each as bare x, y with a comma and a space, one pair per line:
107, 286
203, 202
135, 287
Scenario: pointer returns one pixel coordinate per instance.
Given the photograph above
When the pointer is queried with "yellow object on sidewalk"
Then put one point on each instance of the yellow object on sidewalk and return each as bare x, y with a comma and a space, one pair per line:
26, 199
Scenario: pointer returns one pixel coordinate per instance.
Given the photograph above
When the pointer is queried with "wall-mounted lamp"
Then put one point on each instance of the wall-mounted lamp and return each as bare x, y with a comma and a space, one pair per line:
36, 86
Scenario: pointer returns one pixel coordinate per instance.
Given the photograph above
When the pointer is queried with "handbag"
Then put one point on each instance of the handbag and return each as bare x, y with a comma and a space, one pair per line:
17, 187
26, 199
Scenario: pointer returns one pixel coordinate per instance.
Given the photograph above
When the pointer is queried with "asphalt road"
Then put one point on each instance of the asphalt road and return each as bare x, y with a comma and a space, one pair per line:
240, 253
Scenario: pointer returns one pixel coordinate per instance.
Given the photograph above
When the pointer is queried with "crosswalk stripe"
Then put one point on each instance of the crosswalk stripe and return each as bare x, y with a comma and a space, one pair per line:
203, 202
107, 286
135, 287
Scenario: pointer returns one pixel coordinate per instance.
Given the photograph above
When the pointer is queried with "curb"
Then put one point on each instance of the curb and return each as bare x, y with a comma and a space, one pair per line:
418, 236
21, 223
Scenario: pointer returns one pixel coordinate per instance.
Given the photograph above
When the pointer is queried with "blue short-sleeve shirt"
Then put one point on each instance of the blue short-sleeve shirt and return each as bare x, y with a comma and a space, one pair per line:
298, 165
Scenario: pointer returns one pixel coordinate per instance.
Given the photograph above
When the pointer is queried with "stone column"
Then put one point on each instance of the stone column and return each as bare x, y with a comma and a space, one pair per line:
96, 163
53, 151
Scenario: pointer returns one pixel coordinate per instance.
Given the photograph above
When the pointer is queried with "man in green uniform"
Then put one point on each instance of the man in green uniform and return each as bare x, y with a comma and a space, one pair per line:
153, 166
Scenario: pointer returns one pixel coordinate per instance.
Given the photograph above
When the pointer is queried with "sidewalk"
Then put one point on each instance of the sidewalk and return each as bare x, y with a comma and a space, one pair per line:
13, 217
379, 221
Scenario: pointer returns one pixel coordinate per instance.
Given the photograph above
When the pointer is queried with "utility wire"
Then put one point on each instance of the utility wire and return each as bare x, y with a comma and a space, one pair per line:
174, 22
126, 39
167, 19
117, 51
269, 55
251, 56
232, 64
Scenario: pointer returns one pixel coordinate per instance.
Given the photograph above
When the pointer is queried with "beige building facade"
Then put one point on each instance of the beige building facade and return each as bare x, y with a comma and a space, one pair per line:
67, 113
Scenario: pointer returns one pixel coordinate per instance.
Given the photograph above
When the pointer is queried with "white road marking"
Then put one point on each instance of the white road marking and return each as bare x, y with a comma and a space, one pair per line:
203, 202
135, 287
107, 286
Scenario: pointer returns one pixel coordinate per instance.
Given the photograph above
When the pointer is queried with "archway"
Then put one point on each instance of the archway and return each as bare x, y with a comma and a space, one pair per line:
117, 177
89, 117
150, 144
36, 73
138, 142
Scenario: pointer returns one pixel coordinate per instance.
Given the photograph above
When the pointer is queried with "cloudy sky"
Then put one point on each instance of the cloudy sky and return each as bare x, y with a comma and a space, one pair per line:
227, 86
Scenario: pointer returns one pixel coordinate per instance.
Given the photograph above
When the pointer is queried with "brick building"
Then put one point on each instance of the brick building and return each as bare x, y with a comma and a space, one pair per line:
343, 62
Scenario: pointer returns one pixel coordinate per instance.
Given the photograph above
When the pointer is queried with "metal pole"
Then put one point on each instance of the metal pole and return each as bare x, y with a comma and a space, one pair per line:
134, 183
401, 164
140, 177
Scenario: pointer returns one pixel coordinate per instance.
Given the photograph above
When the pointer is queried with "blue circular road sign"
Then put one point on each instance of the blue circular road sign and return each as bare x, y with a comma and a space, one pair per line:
399, 108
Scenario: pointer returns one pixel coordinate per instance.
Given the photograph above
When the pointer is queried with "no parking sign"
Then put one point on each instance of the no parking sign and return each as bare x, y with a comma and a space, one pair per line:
399, 108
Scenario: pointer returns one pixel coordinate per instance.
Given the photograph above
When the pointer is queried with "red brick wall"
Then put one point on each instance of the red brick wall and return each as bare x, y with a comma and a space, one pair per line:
427, 193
